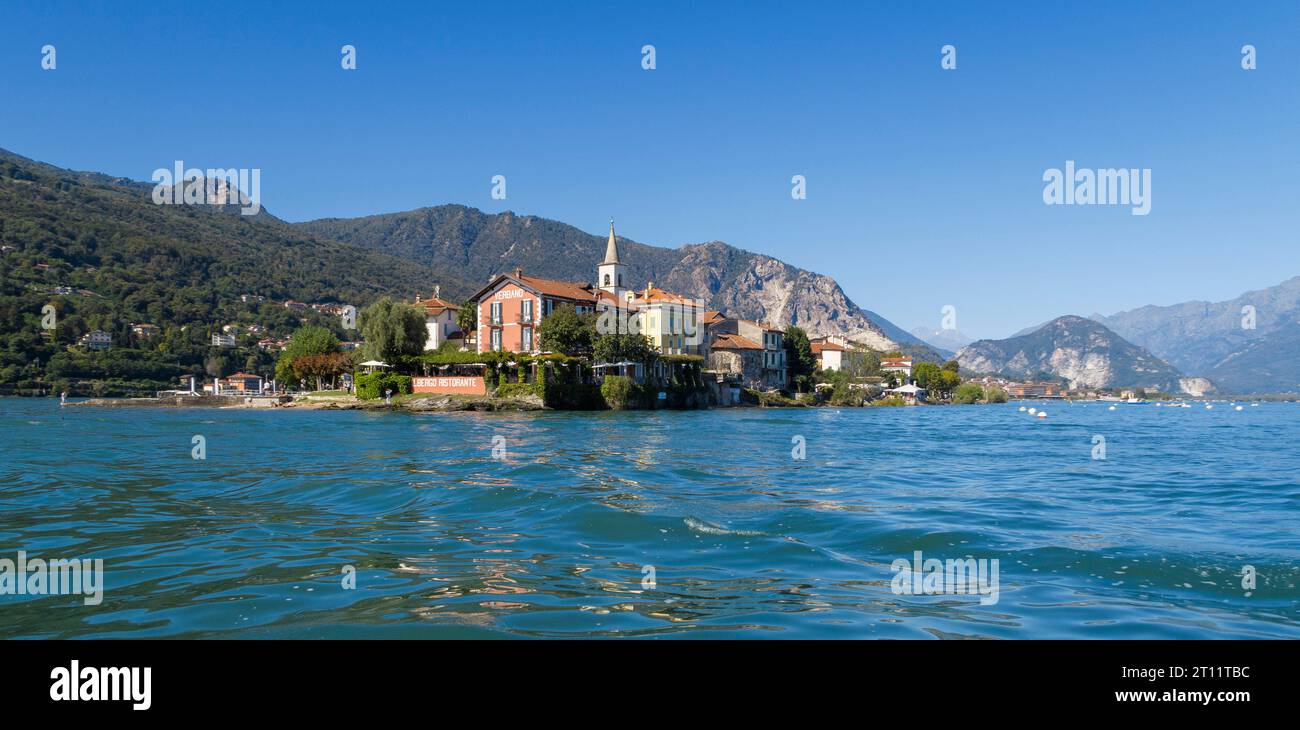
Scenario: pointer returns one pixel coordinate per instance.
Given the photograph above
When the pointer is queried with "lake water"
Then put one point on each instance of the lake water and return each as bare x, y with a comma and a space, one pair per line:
561, 536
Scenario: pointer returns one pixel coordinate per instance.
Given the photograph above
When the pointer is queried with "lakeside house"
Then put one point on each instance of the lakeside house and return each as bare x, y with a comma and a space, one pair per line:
512, 305
144, 330
240, 383
736, 358
830, 356
440, 318
751, 352
900, 365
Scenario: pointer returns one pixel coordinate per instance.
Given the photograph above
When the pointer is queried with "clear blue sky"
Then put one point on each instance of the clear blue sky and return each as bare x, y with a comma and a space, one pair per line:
924, 185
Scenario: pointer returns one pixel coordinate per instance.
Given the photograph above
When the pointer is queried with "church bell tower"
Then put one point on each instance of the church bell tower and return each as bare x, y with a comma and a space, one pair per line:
611, 272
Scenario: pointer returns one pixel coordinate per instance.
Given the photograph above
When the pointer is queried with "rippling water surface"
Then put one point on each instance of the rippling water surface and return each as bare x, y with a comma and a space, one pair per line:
744, 541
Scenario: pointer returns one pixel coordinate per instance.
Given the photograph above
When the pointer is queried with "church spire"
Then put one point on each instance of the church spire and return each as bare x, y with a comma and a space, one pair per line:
611, 248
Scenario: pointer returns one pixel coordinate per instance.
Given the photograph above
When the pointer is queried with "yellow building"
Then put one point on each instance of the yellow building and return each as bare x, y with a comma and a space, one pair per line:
673, 323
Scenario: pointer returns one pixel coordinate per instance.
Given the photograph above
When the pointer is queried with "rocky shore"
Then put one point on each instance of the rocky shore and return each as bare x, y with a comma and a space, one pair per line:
437, 403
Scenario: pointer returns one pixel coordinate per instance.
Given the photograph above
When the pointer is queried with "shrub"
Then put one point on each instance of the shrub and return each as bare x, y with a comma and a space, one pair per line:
518, 390
373, 385
996, 395
620, 392
967, 393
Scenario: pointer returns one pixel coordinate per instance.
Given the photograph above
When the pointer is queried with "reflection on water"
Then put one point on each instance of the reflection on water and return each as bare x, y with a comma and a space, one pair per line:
553, 539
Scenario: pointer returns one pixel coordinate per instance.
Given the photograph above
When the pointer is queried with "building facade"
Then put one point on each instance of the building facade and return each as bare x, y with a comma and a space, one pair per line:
96, 340
769, 370
440, 319
510, 308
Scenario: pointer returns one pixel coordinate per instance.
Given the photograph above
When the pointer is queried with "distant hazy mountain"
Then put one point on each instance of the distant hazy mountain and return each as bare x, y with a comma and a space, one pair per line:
946, 341
1034, 328
1082, 351
1208, 338
478, 245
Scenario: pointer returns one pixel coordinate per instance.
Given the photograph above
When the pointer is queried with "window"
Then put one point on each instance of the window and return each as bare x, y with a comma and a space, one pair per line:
496, 312
606, 279
496, 340
528, 310
528, 339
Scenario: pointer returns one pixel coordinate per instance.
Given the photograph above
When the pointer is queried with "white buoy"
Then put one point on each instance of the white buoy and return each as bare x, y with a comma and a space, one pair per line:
1022, 409
1042, 414
1209, 406
1032, 411
1111, 408
1240, 408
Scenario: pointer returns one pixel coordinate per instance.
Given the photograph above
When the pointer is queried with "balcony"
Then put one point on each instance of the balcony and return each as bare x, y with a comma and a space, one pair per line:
524, 318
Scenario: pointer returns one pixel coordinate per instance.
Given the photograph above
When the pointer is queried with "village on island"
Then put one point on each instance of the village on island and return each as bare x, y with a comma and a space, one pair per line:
525, 342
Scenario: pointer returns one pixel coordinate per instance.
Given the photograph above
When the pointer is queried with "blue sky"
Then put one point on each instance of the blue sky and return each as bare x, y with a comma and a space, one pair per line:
924, 185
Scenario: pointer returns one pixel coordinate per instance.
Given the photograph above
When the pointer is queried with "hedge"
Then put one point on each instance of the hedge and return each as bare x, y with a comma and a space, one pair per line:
373, 385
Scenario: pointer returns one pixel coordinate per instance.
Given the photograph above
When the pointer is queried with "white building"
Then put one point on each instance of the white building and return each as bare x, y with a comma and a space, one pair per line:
96, 340
440, 318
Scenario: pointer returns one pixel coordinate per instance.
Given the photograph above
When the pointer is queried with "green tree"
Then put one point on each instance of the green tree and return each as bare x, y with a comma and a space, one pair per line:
951, 366
392, 330
467, 316
948, 382
967, 393
306, 341
799, 357
622, 347
926, 375
567, 332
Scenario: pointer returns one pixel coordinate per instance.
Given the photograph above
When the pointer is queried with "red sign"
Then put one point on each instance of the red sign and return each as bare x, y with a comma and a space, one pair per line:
472, 385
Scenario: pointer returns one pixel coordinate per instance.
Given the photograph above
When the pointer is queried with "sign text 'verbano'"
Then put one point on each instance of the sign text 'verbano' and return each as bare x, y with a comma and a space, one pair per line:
509, 294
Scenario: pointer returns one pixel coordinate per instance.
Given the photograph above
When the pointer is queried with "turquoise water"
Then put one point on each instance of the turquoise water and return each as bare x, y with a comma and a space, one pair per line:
554, 539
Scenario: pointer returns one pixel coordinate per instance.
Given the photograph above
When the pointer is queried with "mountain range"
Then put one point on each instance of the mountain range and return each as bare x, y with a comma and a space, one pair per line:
1249, 344
108, 256
100, 250
478, 245
1081, 351
1246, 345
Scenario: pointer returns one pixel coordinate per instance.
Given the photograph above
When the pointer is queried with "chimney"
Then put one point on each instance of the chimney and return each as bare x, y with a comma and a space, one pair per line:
437, 289
417, 297
518, 272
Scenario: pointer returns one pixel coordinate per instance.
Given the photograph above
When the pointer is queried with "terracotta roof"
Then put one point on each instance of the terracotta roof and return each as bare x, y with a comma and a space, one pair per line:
817, 347
762, 325
550, 287
896, 362
652, 295
713, 318
436, 305
734, 342
562, 289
